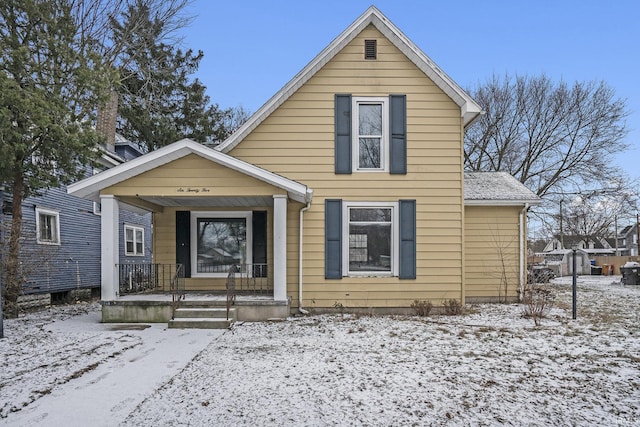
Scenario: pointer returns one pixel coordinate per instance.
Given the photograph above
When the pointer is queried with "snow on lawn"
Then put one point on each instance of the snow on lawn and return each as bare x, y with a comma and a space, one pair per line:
33, 361
487, 367
490, 367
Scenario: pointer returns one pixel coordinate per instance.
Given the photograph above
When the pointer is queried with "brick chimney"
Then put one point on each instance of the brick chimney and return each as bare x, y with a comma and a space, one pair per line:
106, 122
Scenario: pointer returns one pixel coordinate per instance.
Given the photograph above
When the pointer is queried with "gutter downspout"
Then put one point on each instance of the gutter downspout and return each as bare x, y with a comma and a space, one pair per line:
523, 273
300, 309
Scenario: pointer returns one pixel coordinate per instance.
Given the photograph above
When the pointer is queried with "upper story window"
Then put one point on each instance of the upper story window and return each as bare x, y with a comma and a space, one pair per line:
134, 240
47, 227
370, 133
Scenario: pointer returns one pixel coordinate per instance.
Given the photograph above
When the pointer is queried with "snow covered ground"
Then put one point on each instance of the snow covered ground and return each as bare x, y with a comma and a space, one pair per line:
487, 367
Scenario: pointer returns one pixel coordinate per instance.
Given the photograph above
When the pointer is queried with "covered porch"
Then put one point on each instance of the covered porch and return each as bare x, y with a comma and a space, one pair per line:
210, 211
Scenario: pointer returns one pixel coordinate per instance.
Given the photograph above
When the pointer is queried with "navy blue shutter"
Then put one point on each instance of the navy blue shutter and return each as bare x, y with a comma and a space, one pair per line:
343, 134
183, 241
407, 251
398, 134
333, 239
259, 245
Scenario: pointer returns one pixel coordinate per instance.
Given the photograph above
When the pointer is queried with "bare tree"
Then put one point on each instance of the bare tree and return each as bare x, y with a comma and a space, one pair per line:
96, 20
235, 117
593, 214
548, 135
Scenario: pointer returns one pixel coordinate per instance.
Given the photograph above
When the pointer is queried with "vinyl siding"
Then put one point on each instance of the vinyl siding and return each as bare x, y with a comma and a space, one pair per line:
75, 263
297, 141
192, 172
491, 237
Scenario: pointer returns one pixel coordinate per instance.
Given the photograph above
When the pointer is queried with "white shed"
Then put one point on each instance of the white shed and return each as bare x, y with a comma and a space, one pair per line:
561, 262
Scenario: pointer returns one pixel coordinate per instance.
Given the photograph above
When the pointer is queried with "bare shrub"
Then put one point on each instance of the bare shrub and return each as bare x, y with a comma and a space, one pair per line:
422, 308
537, 302
452, 307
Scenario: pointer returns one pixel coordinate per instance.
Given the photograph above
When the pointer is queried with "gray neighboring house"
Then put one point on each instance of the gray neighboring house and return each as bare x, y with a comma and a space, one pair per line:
628, 241
60, 249
592, 245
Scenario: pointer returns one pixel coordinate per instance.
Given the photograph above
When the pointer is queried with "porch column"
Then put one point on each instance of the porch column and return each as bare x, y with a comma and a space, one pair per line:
280, 247
110, 243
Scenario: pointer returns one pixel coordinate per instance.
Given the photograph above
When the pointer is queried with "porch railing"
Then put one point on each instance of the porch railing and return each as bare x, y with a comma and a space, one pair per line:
169, 278
177, 289
249, 278
136, 278
231, 288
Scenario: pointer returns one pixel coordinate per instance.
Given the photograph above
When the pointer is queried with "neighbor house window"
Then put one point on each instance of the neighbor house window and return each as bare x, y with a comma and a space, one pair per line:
220, 240
370, 236
370, 129
134, 240
48, 227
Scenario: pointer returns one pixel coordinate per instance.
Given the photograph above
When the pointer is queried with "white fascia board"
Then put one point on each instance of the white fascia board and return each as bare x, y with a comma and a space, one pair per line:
502, 202
296, 190
469, 108
295, 83
90, 187
108, 158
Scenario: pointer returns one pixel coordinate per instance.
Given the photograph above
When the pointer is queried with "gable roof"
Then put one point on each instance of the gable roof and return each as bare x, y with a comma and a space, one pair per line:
628, 229
469, 108
89, 188
496, 189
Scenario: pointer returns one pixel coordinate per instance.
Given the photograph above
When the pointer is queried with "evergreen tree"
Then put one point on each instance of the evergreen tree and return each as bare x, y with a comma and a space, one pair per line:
158, 103
49, 85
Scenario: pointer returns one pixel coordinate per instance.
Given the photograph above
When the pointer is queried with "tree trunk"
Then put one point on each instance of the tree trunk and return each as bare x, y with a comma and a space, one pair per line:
13, 285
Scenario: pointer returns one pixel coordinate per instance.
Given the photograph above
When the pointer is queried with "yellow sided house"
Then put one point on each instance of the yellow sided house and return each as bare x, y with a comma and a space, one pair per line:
345, 190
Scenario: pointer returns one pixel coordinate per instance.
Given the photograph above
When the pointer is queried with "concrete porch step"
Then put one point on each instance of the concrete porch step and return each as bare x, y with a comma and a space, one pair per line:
205, 313
203, 318
200, 323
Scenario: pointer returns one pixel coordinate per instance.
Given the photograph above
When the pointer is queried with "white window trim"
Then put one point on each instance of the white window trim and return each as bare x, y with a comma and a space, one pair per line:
395, 233
195, 215
384, 142
134, 228
54, 214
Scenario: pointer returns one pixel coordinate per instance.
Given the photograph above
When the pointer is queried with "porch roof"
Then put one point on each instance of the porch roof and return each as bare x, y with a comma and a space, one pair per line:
89, 188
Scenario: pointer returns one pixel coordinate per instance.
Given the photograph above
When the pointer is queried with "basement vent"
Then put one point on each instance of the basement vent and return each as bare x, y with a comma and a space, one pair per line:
370, 49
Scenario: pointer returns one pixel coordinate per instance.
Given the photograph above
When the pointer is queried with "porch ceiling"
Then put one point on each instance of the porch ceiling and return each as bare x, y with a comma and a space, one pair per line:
240, 201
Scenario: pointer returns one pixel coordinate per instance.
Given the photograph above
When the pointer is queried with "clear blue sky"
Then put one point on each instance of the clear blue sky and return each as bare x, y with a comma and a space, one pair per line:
253, 48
